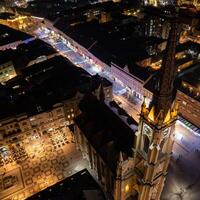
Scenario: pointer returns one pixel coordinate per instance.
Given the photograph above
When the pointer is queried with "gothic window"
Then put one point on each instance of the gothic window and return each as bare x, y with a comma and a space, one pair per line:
146, 143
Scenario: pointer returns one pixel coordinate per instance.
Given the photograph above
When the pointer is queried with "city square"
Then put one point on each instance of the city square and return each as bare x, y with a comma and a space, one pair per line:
47, 160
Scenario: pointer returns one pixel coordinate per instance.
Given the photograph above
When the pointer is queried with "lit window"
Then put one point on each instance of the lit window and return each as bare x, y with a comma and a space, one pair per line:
127, 188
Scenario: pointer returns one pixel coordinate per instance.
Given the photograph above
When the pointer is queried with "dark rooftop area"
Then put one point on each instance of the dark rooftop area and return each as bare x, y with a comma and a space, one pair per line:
192, 75
9, 35
25, 53
6, 15
72, 188
60, 8
43, 85
113, 42
106, 130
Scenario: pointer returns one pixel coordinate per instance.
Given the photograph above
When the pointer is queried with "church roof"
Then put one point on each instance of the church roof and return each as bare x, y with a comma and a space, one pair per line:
105, 130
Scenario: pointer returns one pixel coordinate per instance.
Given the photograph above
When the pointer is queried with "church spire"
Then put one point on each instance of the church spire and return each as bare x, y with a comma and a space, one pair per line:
163, 96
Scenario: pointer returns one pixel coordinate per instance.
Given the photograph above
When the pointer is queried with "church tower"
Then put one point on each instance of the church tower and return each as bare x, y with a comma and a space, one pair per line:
155, 135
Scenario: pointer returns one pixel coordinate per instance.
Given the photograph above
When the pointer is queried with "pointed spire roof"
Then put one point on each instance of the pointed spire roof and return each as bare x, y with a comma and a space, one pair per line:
163, 96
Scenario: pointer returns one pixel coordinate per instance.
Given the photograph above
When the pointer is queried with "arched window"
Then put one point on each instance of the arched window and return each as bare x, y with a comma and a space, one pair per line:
146, 143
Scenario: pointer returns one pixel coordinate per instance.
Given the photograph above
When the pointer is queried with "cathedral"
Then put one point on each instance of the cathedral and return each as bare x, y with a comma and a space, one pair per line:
130, 159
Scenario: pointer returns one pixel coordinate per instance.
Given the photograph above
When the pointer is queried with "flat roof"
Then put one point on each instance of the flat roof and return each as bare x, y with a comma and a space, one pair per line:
80, 186
9, 35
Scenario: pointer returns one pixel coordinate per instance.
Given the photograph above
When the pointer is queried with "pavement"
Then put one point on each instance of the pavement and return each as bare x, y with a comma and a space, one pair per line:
49, 159
183, 180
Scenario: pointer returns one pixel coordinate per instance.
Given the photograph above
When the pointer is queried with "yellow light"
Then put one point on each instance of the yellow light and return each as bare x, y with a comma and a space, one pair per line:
127, 188
151, 114
168, 117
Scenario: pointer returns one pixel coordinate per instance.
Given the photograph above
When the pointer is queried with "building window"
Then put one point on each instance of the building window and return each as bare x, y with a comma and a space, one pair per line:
146, 143
127, 188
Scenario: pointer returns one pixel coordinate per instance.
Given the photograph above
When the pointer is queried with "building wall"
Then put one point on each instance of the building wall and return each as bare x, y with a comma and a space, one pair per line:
43, 122
104, 175
133, 83
189, 108
120, 185
62, 114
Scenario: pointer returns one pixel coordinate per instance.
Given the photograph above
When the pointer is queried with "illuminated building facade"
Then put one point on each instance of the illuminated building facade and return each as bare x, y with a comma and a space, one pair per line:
189, 2
7, 72
158, 2
157, 27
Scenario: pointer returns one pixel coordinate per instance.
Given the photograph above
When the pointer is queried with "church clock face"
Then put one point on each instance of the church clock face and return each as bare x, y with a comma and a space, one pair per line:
147, 130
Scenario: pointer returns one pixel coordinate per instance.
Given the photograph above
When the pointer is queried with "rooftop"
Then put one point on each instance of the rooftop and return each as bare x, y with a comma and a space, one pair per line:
9, 35
191, 76
24, 53
117, 42
80, 186
106, 130
43, 85
58, 8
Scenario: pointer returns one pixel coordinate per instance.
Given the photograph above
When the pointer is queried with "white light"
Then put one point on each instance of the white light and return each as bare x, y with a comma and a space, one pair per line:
51, 129
179, 136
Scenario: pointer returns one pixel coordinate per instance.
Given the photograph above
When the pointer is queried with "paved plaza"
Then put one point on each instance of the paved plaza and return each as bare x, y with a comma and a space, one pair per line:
183, 180
46, 160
